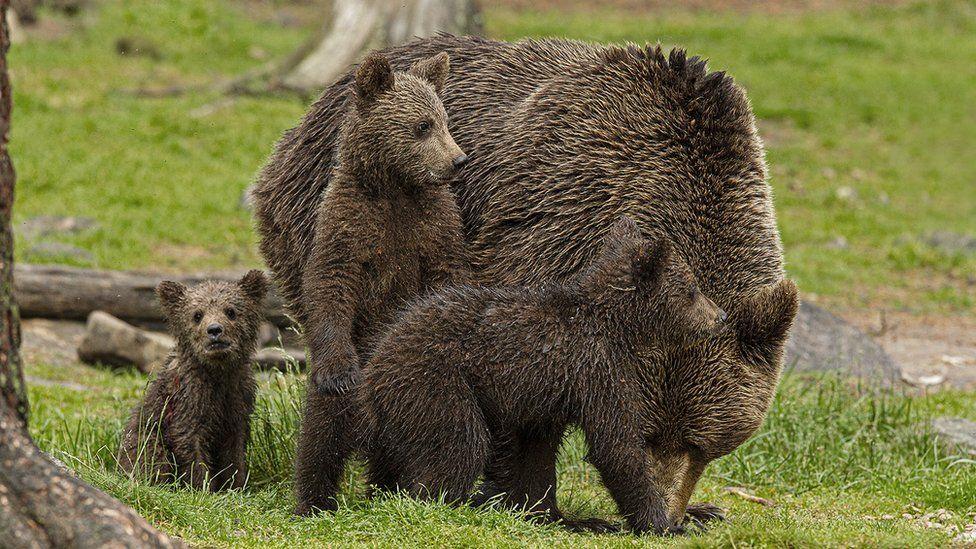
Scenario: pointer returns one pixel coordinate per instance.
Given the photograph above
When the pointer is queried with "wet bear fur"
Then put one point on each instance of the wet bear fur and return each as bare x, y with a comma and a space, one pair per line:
388, 230
467, 367
193, 423
564, 137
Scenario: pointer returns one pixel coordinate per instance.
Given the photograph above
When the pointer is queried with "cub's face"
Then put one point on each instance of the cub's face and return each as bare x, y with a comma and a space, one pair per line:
651, 285
400, 121
689, 314
216, 321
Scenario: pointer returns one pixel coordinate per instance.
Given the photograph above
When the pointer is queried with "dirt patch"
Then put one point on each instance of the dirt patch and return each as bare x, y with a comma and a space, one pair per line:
659, 6
931, 349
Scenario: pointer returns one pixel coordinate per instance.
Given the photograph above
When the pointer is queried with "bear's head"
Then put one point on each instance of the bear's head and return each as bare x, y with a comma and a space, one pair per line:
648, 282
396, 128
215, 322
706, 378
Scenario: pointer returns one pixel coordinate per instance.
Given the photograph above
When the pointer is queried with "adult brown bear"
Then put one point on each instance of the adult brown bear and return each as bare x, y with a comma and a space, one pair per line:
564, 137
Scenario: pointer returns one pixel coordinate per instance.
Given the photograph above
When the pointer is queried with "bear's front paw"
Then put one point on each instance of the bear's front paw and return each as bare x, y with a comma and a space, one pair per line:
340, 375
700, 513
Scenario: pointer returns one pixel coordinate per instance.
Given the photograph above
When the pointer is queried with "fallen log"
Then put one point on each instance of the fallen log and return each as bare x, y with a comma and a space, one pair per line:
69, 293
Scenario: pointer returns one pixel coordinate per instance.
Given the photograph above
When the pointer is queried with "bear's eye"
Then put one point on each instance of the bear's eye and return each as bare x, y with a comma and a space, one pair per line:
197, 317
231, 313
423, 128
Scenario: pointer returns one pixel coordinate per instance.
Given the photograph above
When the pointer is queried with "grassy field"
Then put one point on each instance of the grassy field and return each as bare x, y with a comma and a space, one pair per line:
869, 118
841, 468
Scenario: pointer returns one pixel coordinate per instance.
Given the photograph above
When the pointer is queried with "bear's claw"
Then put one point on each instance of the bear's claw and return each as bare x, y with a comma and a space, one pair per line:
334, 385
701, 513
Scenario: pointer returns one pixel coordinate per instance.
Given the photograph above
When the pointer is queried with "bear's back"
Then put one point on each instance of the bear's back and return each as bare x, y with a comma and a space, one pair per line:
564, 137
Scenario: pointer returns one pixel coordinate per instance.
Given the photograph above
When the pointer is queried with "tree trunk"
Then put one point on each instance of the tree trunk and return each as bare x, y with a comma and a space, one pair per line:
40, 504
69, 293
358, 26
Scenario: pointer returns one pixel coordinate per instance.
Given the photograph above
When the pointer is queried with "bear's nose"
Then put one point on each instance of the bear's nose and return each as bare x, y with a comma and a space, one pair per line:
214, 330
460, 161
722, 315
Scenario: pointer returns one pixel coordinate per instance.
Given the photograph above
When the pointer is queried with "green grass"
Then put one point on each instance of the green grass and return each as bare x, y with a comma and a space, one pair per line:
878, 100
834, 459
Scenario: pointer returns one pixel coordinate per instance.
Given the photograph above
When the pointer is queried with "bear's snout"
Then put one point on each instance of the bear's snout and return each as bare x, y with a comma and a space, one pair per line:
459, 161
215, 331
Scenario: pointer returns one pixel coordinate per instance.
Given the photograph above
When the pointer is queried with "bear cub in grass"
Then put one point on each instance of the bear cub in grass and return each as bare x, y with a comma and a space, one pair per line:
388, 230
468, 367
193, 423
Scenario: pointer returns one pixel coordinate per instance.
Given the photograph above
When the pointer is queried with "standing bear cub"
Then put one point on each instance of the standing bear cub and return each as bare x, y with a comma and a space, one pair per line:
193, 424
388, 230
467, 372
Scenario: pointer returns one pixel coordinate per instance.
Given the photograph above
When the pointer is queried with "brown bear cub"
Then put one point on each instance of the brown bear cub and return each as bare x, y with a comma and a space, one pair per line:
468, 372
388, 230
193, 424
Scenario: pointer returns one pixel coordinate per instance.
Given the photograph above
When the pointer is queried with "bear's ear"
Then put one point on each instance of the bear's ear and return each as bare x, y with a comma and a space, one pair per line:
762, 322
623, 230
433, 70
254, 285
650, 260
172, 296
373, 77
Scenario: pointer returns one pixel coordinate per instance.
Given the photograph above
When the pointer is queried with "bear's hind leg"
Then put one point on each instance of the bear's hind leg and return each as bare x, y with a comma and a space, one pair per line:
448, 460
521, 475
326, 441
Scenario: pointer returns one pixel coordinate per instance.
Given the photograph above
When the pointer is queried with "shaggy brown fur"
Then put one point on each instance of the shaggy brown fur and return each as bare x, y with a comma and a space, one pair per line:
564, 138
388, 230
194, 420
467, 367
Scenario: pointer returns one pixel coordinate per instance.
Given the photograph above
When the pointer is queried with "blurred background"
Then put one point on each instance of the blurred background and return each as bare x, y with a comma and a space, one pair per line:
139, 124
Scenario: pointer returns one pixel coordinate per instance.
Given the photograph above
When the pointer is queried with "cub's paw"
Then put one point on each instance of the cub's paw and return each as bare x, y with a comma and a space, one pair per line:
699, 514
339, 375
310, 509
486, 494
590, 525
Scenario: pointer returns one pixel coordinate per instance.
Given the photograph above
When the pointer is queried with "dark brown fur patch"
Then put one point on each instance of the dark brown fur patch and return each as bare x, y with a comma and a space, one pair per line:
564, 138
388, 230
468, 372
193, 423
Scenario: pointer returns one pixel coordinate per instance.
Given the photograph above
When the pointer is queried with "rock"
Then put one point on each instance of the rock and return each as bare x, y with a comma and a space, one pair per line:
846, 194
51, 342
967, 537
957, 433
822, 342
115, 342
57, 251
951, 242
838, 243
47, 225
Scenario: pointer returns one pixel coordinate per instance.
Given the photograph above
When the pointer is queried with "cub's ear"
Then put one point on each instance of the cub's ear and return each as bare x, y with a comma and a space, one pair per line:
254, 285
649, 261
172, 296
624, 229
762, 323
373, 77
433, 70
